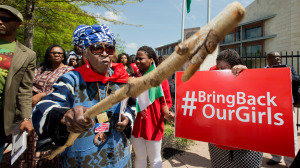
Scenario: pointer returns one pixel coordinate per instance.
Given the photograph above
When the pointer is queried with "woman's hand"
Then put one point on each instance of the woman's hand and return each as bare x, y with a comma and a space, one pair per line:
120, 126
237, 69
168, 115
38, 97
73, 63
75, 121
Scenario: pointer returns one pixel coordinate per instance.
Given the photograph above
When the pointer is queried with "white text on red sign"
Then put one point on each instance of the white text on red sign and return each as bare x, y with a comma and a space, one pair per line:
244, 113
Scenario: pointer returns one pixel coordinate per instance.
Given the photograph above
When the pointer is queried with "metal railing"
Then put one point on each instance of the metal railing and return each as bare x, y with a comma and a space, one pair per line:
287, 58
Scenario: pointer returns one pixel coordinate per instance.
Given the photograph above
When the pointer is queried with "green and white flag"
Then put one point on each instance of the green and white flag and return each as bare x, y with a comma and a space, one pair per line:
188, 6
147, 97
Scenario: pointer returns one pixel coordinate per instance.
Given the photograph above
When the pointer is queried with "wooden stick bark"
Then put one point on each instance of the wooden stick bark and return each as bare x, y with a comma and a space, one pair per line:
195, 48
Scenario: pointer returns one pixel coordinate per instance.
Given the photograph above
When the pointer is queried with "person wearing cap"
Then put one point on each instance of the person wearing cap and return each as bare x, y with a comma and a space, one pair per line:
104, 141
17, 64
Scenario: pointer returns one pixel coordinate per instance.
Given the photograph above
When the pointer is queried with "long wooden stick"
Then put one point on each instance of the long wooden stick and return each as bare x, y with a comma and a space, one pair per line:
195, 48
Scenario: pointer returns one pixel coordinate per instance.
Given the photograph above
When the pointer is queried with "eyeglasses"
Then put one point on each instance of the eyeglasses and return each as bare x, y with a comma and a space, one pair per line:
59, 53
98, 49
7, 19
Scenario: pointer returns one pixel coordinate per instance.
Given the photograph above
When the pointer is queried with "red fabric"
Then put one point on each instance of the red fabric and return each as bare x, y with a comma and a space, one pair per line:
152, 127
135, 68
120, 75
213, 67
5, 60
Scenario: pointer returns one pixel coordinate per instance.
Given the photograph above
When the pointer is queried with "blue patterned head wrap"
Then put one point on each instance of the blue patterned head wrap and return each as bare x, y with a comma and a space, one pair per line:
85, 35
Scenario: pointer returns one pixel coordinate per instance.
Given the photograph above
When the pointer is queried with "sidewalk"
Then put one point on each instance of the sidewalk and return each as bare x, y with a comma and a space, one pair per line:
197, 155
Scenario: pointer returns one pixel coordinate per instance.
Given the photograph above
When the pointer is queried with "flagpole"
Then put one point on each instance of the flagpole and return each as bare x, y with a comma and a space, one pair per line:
182, 22
208, 11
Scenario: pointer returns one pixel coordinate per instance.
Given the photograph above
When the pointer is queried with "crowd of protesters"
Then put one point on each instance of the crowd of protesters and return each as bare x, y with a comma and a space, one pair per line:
49, 102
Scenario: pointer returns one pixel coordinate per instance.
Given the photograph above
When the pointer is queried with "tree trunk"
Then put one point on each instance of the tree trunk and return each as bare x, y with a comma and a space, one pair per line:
29, 24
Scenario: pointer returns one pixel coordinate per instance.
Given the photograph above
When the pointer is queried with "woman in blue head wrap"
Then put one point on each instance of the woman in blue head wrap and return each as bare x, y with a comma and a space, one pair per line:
104, 141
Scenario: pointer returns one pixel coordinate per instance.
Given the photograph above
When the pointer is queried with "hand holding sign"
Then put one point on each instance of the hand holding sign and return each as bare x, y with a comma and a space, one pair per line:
238, 69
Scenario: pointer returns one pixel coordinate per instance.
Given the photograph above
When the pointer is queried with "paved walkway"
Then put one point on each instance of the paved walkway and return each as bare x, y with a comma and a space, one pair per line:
197, 155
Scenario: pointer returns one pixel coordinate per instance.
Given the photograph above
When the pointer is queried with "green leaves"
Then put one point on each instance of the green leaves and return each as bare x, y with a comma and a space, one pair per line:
55, 20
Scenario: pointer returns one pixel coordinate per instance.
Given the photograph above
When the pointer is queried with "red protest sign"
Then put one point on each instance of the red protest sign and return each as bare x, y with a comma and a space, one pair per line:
251, 111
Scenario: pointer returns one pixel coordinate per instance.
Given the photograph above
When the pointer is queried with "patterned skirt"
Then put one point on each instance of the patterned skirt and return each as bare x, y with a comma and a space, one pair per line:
222, 158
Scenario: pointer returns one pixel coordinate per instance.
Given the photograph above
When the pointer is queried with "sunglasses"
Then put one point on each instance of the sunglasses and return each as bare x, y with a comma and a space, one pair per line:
7, 19
59, 53
98, 49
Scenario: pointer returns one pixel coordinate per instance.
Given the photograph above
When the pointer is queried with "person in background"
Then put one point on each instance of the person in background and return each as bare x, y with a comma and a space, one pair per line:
274, 59
126, 61
53, 66
223, 156
133, 58
161, 58
104, 141
171, 81
46, 75
17, 71
73, 62
72, 59
133, 64
148, 127
79, 52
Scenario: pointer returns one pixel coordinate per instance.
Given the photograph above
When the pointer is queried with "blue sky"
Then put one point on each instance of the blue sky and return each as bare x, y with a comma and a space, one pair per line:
161, 20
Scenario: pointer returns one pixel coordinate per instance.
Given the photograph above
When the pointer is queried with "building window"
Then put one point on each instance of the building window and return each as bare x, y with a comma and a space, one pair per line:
170, 50
237, 49
229, 38
253, 32
238, 36
253, 50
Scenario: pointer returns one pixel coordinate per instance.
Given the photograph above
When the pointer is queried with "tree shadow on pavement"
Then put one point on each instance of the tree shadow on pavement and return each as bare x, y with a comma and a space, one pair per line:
178, 158
169, 152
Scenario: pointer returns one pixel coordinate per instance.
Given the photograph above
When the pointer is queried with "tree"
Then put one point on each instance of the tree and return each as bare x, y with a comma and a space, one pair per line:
48, 22
120, 44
